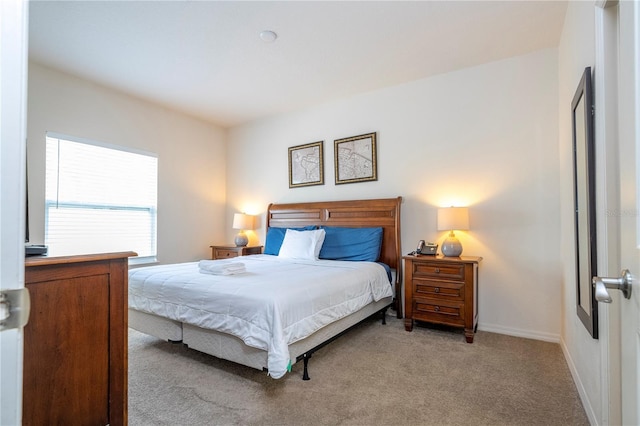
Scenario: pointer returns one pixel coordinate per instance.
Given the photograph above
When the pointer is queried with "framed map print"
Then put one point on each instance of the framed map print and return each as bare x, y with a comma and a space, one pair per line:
355, 159
306, 165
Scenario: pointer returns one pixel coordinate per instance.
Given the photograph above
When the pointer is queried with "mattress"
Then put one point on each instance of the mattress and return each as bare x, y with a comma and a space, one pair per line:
275, 303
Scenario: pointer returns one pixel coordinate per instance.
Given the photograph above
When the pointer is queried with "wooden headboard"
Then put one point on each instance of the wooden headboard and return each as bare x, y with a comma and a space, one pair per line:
383, 213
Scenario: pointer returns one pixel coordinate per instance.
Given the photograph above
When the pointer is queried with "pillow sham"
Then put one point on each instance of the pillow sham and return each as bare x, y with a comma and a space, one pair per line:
274, 238
304, 245
355, 244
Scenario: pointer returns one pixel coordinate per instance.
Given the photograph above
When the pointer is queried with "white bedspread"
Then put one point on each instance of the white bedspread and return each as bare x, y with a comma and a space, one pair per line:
275, 303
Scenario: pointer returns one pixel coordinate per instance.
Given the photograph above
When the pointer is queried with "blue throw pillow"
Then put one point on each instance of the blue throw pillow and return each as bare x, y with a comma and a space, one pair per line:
275, 236
358, 244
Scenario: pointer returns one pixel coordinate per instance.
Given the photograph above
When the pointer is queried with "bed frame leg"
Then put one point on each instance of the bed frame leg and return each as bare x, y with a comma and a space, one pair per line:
305, 374
305, 356
384, 316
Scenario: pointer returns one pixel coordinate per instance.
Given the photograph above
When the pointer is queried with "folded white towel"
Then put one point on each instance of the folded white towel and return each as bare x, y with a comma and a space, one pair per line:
218, 268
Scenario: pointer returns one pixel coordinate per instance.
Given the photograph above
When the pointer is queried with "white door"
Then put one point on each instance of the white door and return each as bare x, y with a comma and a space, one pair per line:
13, 80
629, 145
620, 37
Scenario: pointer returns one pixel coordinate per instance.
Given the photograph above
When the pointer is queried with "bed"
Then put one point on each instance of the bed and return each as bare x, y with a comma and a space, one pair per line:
221, 314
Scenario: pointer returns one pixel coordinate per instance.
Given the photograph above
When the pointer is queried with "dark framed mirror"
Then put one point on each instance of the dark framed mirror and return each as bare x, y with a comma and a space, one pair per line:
584, 202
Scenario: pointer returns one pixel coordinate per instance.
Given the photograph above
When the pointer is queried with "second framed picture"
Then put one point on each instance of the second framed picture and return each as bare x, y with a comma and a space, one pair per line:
355, 159
306, 165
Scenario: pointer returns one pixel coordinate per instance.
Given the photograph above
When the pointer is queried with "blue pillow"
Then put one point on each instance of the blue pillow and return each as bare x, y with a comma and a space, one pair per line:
275, 236
358, 244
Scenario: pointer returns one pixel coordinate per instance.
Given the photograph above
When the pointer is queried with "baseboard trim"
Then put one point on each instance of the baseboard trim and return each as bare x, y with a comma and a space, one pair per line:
588, 408
546, 337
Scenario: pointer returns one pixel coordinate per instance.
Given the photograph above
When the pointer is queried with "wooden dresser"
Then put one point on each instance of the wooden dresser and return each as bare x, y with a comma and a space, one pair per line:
75, 343
442, 290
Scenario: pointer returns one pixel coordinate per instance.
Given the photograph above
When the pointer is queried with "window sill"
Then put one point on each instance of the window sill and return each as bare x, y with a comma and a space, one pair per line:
142, 261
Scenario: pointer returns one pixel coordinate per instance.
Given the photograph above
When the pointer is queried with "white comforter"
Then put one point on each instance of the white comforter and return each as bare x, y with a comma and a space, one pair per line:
276, 302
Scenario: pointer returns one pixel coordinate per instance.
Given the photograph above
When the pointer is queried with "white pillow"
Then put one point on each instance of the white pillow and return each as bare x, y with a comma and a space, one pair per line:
304, 245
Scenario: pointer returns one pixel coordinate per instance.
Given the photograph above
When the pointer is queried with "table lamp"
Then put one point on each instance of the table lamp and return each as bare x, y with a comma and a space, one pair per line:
450, 219
242, 222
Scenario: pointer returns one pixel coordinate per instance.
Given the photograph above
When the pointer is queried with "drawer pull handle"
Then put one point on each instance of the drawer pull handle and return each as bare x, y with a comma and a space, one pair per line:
437, 290
437, 309
437, 270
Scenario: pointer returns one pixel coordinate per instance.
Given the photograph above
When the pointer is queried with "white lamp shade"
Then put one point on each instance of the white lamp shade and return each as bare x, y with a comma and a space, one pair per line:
242, 221
453, 218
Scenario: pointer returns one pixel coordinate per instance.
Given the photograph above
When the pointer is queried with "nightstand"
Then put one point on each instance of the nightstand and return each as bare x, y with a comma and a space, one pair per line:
225, 252
442, 290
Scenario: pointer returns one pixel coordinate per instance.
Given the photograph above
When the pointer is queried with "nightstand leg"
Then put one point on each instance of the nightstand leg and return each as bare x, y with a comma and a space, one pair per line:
408, 324
468, 334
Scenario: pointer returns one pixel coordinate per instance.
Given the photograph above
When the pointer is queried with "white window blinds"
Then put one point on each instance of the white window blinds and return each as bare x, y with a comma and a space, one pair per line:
99, 198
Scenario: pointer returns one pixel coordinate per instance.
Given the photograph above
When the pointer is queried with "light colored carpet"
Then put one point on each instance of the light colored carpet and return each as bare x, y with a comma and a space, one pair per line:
374, 375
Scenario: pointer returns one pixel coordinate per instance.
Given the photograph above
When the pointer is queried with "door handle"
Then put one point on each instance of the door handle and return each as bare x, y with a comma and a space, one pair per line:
622, 283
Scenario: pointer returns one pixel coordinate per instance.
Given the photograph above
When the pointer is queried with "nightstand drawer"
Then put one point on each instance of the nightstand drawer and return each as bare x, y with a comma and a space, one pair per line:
224, 253
448, 290
440, 270
439, 311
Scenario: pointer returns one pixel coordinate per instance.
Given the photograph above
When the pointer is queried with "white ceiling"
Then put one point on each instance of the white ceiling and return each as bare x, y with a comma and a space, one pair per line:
205, 58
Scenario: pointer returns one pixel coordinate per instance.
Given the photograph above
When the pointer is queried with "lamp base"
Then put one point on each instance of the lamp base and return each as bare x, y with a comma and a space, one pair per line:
451, 247
241, 240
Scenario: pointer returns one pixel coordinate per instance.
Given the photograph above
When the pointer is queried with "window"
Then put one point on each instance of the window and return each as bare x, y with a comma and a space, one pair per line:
100, 198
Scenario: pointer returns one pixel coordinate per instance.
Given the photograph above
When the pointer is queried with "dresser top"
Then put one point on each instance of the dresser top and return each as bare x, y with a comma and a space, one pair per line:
441, 258
50, 260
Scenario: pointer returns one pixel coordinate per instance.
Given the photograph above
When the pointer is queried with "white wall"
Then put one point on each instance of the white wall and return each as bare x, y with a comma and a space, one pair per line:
486, 137
575, 52
191, 156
